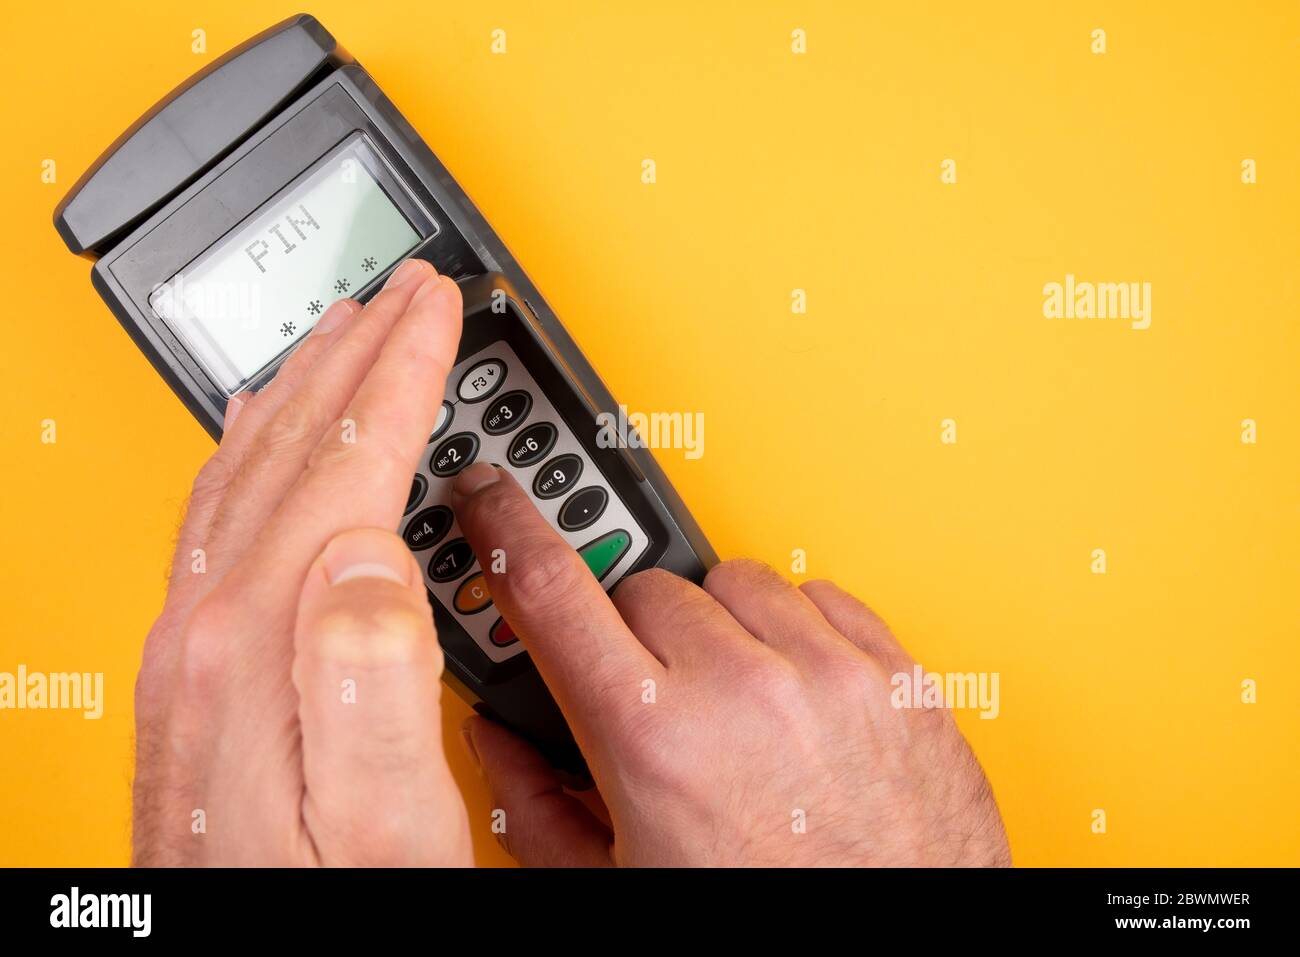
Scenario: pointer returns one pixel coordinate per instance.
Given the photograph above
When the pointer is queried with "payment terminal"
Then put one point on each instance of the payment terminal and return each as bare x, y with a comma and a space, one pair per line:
279, 179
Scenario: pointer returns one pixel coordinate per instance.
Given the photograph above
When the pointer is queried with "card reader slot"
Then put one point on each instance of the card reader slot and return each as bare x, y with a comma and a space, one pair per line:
183, 136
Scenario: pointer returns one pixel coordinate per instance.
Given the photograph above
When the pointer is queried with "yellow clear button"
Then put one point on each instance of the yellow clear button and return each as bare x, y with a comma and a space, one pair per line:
472, 595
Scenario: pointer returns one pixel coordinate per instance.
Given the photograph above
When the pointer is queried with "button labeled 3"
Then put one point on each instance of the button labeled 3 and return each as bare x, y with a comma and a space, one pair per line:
507, 412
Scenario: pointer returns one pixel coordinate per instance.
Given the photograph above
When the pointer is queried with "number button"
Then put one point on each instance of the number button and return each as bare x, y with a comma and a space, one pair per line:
557, 476
482, 380
444, 420
472, 596
427, 528
532, 444
451, 561
419, 485
454, 454
507, 412
583, 508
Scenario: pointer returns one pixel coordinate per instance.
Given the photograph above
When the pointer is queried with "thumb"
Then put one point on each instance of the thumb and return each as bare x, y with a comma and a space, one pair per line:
543, 825
367, 666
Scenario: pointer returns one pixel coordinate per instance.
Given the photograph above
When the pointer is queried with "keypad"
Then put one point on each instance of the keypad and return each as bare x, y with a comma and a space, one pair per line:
496, 413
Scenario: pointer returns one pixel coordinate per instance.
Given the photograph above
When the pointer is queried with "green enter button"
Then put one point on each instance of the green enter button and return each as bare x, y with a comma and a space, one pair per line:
603, 553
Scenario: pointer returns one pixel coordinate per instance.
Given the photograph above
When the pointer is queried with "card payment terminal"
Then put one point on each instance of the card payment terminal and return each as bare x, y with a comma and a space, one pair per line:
280, 179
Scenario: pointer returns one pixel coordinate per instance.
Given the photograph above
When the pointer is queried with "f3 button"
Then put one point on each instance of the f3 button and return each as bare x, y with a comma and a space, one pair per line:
472, 596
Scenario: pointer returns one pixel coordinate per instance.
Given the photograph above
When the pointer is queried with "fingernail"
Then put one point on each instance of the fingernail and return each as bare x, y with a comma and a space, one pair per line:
433, 287
233, 408
469, 742
478, 476
334, 317
406, 271
366, 553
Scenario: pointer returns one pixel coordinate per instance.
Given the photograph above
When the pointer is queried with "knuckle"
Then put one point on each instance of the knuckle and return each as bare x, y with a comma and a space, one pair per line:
289, 433
688, 611
212, 479
642, 744
822, 588
368, 834
826, 591
543, 571
652, 586
150, 681
779, 690
853, 677
737, 573
202, 661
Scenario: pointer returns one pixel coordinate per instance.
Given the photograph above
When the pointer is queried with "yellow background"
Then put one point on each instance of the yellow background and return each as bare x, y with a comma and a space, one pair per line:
775, 171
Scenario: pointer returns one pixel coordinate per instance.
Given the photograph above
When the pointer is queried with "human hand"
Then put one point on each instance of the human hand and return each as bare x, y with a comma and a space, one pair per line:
287, 706
770, 707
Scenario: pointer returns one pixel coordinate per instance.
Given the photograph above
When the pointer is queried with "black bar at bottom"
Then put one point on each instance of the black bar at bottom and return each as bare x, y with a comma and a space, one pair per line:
242, 906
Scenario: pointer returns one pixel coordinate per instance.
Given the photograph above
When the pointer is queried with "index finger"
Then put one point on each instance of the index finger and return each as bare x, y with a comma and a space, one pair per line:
588, 657
360, 472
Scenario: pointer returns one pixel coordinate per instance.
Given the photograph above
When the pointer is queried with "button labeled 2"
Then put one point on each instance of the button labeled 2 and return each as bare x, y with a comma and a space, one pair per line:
454, 454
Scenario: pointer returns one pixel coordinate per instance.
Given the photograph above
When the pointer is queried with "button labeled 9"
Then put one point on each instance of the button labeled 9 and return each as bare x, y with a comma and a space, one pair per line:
557, 476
